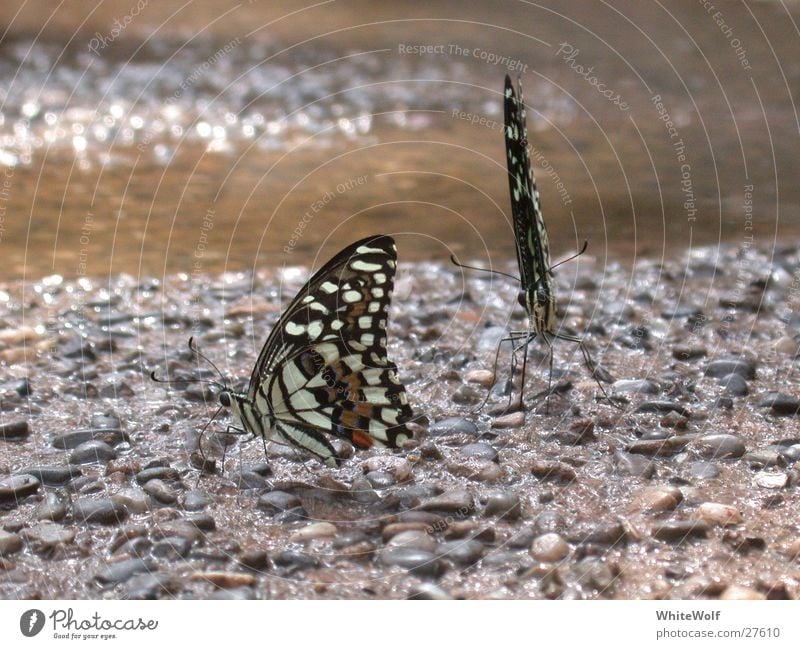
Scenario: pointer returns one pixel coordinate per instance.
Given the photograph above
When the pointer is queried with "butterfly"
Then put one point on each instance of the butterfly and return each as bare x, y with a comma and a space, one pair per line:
536, 294
324, 369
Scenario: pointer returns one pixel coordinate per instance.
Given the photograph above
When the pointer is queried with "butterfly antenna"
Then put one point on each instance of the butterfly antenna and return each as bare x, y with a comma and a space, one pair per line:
196, 351
483, 270
575, 256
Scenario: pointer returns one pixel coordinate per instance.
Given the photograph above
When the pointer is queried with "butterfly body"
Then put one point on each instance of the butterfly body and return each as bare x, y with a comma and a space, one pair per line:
324, 369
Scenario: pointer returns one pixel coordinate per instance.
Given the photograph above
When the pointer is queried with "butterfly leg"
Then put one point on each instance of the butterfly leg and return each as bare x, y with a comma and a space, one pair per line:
512, 337
528, 338
588, 361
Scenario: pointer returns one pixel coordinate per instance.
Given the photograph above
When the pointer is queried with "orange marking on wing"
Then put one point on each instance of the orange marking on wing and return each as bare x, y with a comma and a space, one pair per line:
361, 439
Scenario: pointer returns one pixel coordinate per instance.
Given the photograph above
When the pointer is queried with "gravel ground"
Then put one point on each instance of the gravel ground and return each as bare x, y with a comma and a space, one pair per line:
687, 489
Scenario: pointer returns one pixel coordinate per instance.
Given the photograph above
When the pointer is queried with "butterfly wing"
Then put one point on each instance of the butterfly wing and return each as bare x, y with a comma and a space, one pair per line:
533, 250
324, 367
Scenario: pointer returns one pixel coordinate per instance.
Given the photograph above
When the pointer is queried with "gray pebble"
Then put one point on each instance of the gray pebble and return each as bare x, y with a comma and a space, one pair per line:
172, 548
195, 500
598, 533
763, 458
719, 368
52, 476
719, 446
659, 447
292, 560
735, 385
630, 464
201, 521
246, 480
419, 562
453, 426
429, 591
480, 450
52, 508
464, 552
151, 586
679, 531
137, 547
92, 452
105, 420
9, 543
14, 430
636, 386
380, 479
701, 470
121, 571
664, 407
521, 539
503, 504
781, 404
278, 501
106, 511
548, 521
17, 487
412, 538
69, 441
47, 538
157, 473
293, 515
458, 502
160, 491
350, 537
549, 547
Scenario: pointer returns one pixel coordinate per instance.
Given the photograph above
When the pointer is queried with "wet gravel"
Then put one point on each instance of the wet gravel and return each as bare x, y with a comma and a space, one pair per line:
683, 485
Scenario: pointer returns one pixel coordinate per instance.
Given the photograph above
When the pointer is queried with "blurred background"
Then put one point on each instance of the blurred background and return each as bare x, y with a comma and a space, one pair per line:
206, 136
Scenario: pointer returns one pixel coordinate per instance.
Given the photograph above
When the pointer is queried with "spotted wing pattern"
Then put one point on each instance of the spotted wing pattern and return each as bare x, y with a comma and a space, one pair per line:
533, 250
324, 367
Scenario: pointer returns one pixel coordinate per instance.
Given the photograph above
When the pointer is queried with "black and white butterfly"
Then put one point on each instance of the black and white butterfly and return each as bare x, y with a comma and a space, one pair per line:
536, 294
323, 369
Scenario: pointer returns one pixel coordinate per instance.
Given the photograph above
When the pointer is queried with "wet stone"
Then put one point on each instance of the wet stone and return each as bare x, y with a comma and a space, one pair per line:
548, 521
549, 547
246, 480
636, 386
254, 558
14, 430
718, 514
122, 571
202, 521
663, 407
701, 470
458, 502
419, 539
195, 500
278, 501
598, 533
106, 511
9, 543
680, 531
764, 458
106, 421
429, 591
151, 586
288, 516
52, 508
380, 479
419, 562
551, 471
292, 560
464, 553
781, 404
52, 476
15, 488
321, 530
719, 368
688, 352
160, 491
719, 446
659, 498
511, 420
735, 385
503, 504
70, 441
134, 499
771, 479
480, 450
172, 548
157, 473
453, 426
629, 464
91, 452
47, 537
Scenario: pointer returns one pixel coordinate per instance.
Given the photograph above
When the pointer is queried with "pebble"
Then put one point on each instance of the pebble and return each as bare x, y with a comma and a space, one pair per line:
91, 452
46, 537
453, 426
548, 521
680, 530
151, 586
69, 441
511, 420
134, 499
636, 386
480, 450
106, 511
9, 543
172, 548
718, 514
321, 530
781, 404
196, 500
254, 558
14, 430
380, 479
481, 377
122, 571
787, 345
658, 498
719, 446
278, 501
598, 533
764, 458
466, 395
660, 447
503, 504
629, 464
52, 476
470, 529
292, 560
722, 367
663, 406
52, 508
549, 547
458, 502
701, 470
551, 471
771, 479
419, 562
463, 552
17, 487
157, 473
419, 539
734, 592
160, 491
429, 591
735, 385
688, 352
202, 521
